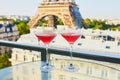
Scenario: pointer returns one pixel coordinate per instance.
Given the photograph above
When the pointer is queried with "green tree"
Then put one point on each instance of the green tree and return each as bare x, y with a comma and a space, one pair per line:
97, 24
118, 28
100, 26
4, 19
88, 23
59, 21
23, 27
43, 21
4, 61
94, 22
113, 29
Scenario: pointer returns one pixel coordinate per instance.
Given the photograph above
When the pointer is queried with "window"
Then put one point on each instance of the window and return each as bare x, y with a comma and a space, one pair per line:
79, 44
83, 37
107, 47
33, 59
16, 56
93, 31
104, 73
118, 43
25, 58
89, 70
53, 41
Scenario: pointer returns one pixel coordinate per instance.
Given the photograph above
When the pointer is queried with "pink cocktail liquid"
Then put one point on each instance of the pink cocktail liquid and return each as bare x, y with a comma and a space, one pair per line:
46, 38
71, 37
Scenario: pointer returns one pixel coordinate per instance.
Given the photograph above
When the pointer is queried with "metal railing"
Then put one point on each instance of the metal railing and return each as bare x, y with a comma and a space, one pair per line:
107, 57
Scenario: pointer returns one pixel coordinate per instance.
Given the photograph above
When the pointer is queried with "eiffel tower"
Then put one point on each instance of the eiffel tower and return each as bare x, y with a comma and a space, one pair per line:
66, 10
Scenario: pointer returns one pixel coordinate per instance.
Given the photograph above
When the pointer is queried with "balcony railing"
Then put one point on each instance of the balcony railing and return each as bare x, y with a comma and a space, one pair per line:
113, 58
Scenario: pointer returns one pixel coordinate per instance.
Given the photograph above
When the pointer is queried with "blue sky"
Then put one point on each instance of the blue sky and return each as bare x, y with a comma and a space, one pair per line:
88, 8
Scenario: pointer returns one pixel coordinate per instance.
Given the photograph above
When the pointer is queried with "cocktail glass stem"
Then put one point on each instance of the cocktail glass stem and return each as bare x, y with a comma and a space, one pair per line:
47, 67
71, 50
47, 55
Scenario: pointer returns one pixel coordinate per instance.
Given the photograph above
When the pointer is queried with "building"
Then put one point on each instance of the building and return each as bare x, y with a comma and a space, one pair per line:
113, 21
8, 32
15, 17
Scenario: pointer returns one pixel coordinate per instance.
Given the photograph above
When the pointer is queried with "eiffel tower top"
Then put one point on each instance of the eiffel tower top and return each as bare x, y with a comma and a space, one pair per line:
51, 2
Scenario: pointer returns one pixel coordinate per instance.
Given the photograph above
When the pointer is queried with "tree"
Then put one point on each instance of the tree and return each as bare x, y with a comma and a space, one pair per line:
118, 28
88, 23
42, 22
98, 26
4, 61
59, 21
3, 19
23, 27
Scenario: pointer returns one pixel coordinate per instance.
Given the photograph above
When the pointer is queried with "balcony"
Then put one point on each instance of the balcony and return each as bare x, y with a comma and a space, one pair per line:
91, 65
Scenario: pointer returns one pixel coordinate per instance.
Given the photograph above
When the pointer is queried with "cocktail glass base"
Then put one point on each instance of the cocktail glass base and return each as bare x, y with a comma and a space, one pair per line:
47, 68
71, 68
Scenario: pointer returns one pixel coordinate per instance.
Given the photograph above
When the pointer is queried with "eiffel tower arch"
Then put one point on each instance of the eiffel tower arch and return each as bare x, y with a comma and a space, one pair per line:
66, 10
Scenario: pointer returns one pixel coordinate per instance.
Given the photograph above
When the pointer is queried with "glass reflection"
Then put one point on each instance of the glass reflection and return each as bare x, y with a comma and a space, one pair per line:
87, 71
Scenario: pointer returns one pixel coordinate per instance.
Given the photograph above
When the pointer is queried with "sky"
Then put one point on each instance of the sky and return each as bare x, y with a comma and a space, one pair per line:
88, 8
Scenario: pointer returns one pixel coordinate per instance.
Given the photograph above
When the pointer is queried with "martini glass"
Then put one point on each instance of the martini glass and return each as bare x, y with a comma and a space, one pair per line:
70, 37
46, 38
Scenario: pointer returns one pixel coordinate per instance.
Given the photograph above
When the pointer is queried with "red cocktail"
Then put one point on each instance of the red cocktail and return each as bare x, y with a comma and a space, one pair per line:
46, 38
71, 38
